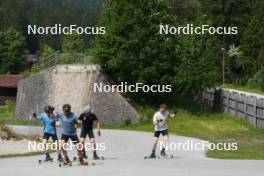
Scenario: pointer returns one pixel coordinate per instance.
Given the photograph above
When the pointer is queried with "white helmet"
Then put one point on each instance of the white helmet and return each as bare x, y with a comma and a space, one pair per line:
87, 108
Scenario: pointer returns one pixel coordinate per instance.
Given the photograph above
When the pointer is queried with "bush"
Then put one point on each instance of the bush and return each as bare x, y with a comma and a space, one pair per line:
257, 80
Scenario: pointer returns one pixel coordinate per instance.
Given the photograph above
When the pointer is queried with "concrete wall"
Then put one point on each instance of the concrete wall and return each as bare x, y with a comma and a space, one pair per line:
72, 84
244, 105
32, 94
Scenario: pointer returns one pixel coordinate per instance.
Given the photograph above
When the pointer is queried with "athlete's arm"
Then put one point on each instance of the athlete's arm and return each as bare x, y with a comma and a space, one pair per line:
57, 118
155, 122
79, 120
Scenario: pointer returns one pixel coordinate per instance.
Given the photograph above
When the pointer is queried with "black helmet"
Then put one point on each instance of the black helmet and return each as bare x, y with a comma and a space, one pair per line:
66, 108
47, 109
51, 109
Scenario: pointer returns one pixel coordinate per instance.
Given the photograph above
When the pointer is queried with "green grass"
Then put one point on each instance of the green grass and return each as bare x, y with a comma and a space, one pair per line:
211, 126
243, 88
7, 116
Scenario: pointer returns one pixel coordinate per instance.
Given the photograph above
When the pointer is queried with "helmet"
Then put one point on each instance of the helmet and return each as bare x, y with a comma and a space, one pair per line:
51, 109
47, 109
66, 108
87, 108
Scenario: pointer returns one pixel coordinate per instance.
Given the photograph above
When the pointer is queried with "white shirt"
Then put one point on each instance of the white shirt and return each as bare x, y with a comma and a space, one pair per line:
160, 121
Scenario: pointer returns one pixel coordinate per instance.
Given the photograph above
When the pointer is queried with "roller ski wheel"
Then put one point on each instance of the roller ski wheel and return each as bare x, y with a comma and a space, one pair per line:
83, 162
65, 163
148, 157
92, 164
98, 158
166, 157
74, 158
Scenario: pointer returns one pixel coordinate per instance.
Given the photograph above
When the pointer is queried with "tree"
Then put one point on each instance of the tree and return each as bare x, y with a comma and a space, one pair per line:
252, 47
12, 51
132, 50
46, 50
200, 62
228, 13
73, 43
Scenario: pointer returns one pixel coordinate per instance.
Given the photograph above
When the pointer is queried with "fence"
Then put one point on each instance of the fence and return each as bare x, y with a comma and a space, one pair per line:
65, 58
239, 104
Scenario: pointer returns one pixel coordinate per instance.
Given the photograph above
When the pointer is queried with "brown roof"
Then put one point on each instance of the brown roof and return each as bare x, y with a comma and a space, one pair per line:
9, 81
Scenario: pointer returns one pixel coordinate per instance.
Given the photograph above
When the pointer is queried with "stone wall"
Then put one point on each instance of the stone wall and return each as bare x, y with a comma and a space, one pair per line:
33, 94
243, 105
72, 84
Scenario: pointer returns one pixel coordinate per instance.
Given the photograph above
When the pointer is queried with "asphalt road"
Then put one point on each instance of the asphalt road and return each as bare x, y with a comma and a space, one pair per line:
124, 157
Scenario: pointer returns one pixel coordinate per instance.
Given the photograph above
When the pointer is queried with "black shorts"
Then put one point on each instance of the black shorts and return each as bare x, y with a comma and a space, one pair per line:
48, 135
164, 132
74, 138
84, 133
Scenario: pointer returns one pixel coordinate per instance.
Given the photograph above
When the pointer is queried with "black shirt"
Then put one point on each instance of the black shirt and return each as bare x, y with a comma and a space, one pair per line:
87, 119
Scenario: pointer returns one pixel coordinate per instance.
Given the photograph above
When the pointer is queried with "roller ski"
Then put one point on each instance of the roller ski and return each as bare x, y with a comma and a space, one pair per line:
45, 160
151, 156
82, 162
96, 157
163, 155
65, 163
75, 159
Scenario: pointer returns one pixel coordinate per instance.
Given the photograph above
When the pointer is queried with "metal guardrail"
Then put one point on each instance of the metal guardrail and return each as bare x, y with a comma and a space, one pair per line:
64, 58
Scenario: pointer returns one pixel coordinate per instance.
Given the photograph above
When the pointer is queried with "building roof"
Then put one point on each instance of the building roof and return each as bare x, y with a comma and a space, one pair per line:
9, 81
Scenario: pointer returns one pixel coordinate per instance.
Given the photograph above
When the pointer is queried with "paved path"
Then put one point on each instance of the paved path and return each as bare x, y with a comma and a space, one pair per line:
124, 157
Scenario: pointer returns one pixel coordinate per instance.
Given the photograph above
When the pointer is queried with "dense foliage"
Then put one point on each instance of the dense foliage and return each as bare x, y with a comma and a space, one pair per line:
12, 51
133, 51
21, 13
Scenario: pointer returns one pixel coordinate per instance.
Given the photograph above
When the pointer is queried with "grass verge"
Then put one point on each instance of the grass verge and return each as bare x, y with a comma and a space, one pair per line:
211, 126
7, 116
243, 88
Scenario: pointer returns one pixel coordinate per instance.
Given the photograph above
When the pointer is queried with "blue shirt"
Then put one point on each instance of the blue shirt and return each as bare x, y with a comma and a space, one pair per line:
49, 123
68, 123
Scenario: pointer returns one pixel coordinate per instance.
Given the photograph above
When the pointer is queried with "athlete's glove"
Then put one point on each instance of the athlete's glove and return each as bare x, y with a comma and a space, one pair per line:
160, 120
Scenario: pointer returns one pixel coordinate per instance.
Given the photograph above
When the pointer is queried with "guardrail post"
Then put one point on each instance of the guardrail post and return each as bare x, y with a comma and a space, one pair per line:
245, 107
57, 56
236, 101
255, 111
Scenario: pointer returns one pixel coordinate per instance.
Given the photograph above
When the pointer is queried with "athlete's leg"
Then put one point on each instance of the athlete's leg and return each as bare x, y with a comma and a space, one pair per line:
79, 148
45, 150
56, 142
64, 139
78, 145
165, 134
82, 141
156, 139
93, 142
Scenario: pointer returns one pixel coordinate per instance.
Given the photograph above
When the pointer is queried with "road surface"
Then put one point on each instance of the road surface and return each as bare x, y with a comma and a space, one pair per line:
124, 157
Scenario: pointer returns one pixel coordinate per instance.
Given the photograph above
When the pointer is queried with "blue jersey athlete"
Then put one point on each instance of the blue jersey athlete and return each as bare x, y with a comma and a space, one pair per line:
68, 122
49, 121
